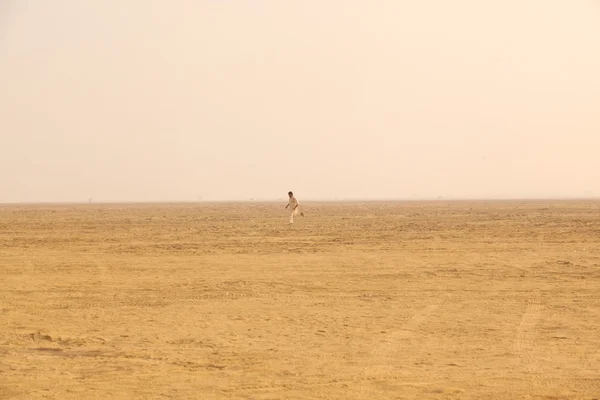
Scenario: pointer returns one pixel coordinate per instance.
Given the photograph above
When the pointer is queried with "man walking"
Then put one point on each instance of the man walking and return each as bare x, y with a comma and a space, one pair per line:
294, 209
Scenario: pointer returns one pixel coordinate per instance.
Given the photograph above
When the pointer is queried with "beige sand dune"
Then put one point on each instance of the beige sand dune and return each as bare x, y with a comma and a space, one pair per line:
356, 301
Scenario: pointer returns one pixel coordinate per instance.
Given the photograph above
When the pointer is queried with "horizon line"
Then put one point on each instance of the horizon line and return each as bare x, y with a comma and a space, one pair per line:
316, 200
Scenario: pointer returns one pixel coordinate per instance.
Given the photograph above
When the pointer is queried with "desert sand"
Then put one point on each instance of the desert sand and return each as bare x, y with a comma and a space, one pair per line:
438, 300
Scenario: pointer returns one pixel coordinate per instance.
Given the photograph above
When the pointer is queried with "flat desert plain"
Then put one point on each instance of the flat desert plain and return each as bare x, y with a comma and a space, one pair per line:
439, 300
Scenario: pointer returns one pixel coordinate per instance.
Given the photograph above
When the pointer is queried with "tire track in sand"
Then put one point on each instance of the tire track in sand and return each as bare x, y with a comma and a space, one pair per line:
381, 361
384, 356
523, 346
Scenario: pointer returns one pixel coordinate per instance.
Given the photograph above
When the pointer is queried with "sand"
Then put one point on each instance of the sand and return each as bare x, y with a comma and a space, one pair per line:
463, 300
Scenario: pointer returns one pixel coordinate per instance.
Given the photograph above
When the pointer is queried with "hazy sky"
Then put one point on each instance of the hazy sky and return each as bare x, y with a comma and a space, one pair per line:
148, 100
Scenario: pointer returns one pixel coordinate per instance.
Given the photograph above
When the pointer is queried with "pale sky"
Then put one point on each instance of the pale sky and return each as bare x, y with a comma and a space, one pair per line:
156, 100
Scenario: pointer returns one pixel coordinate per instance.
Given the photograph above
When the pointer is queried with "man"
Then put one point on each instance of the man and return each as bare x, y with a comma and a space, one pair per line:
293, 204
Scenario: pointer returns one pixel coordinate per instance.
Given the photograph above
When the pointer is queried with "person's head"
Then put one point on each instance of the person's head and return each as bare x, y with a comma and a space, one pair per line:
290, 194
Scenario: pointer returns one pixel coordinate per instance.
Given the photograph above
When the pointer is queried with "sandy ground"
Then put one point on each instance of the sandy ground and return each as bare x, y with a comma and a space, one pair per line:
477, 300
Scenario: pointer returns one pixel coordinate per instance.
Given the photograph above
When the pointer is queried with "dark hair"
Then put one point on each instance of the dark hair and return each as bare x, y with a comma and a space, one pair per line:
291, 193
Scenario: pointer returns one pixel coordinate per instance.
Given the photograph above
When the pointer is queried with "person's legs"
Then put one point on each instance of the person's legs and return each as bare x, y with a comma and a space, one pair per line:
292, 213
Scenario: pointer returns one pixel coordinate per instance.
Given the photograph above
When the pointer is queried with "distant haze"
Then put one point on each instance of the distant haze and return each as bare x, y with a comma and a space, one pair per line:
148, 100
